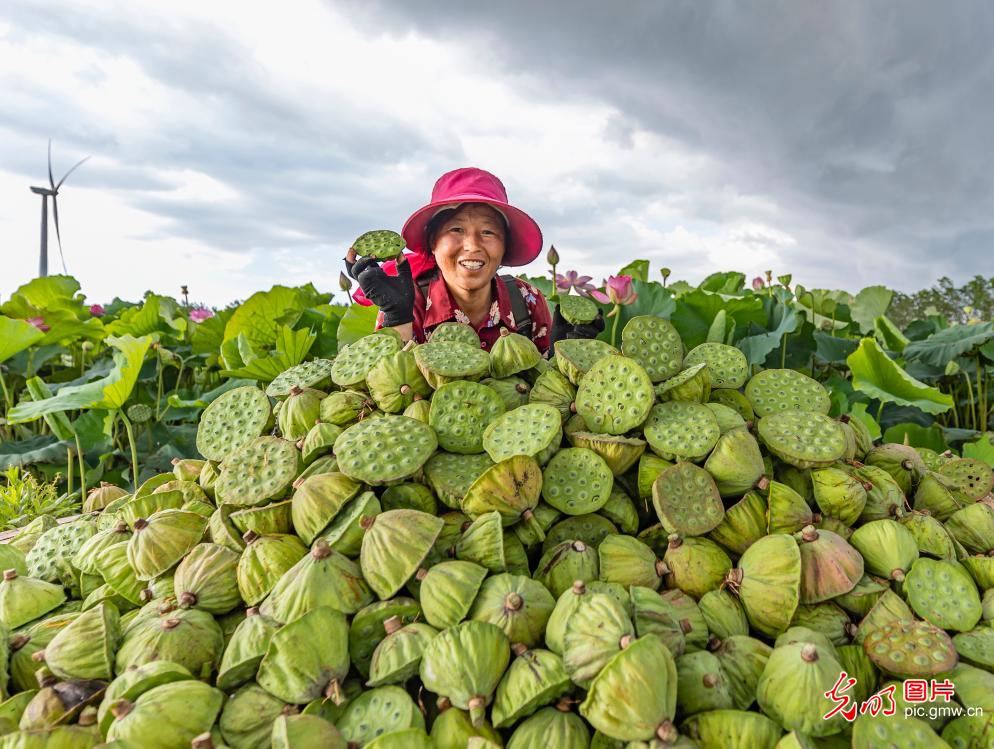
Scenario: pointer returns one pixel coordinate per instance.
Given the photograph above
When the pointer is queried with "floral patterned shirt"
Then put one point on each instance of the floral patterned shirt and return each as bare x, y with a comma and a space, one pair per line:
439, 307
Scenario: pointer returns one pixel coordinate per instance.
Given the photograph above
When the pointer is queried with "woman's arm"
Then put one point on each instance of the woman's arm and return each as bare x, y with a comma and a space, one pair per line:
394, 295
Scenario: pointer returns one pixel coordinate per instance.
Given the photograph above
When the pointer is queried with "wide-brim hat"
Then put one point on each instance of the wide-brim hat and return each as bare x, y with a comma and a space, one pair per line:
472, 185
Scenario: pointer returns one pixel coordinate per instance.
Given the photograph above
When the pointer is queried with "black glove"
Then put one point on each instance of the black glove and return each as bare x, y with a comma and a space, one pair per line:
394, 295
562, 329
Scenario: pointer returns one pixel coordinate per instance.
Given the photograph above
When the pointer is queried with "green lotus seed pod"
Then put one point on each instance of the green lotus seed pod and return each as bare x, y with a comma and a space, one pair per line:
576, 356
163, 540
263, 563
551, 726
24, 599
733, 729
598, 628
889, 608
804, 439
728, 418
787, 511
902, 462
395, 380
379, 712
932, 537
971, 478
367, 631
577, 481
346, 407
701, 683
677, 430
687, 500
305, 732
398, 656
724, 614
743, 660
910, 649
232, 420
527, 430
767, 582
535, 678
207, 579
628, 561
884, 498
345, 533
355, 361
133, 683
248, 715
973, 527
187, 637
317, 500
653, 615
448, 590
736, 463
838, 494
615, 395
445, 361
394, 546
167, 716
482, 542
655, 344
943, 593
384, 450
804, 635
742, 525
511, 487
727, 365
695, 565
793, 686
453, 729
512, 353
900, 730
692, 385
553, 388
827, 618
887, 547
565, 564
518, 605
100, 496
318, 442
85, 648
774, 391
513, 391
590, 528
829, 565
861, 598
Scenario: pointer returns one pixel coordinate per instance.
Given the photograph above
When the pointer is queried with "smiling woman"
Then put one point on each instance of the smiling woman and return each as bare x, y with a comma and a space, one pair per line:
457, 244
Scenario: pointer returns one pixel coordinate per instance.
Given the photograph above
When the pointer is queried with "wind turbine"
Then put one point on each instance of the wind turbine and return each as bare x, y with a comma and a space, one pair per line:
45, 192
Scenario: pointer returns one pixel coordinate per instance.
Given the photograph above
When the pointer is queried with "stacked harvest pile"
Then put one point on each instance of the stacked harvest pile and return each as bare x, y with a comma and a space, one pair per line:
436, 546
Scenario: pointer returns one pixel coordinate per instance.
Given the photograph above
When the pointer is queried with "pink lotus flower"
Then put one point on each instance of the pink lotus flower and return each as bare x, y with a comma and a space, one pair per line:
619, 290
97, 310
199, 314
39, 322
581, 285
758, 283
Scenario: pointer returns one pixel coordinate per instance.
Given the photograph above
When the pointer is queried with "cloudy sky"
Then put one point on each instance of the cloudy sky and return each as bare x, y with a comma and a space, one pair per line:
236, 145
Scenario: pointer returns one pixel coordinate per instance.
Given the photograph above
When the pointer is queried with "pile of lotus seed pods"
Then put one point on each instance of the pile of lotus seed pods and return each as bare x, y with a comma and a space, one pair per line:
438, 546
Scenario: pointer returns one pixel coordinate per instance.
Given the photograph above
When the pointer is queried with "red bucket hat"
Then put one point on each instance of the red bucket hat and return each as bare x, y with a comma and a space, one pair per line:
472, 185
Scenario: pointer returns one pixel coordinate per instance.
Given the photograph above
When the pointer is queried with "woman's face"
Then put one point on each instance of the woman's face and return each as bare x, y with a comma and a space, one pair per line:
469, 247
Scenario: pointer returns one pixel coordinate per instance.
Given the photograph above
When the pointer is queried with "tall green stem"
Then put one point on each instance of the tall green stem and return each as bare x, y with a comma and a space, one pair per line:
783, 351
6, 393
614, 328
69, 471
131, 442
158, 386
82, 465
969, 395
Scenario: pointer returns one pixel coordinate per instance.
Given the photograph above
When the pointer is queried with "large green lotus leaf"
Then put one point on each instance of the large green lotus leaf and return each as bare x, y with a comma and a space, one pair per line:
358, 321
877, 375
782, 320
15, 336
869, 304
917, 436
159, 314
696, 311
260, 316
44, 449
110, 392
943, 347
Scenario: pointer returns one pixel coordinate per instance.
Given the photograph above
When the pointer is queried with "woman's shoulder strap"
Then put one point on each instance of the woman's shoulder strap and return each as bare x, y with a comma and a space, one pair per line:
522, 316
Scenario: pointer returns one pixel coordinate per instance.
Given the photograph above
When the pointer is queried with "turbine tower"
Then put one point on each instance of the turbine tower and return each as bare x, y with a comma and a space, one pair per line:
53, 192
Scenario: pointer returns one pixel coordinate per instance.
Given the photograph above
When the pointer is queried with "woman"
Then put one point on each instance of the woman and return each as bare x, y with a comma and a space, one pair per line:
457, 244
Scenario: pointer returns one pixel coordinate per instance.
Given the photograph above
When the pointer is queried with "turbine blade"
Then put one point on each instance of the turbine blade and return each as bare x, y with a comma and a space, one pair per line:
78, 163
51, 179
58, 236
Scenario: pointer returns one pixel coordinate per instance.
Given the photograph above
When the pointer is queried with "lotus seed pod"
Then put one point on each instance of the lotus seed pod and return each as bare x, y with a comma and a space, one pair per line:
450, 475
355, 361
565, 564
533, 430
511, 487
147, 505
724, 614
305, 731
655, 344
701, 683
686, 500
394, 546
50, 559
887, 547
576, 356
857, 664
935, 495
398, 656
894, 730
247, 717
943, 593
577, 310
654, 615
973, 686
613, 590
933, 538
598, 628
85, 649
646, 713
119, 574
465, 663
512, 353
345, 533
263, 563
232, 420
513, 391
187, 637
162, 540
190, 490
554, 389
518, 605
695, 565
774, 391
259, 472
482, 542
319, 441
681, 431
884, 498
827, 618
419, 410
385, 450
793, 686
965, 731
167, 716
448, 590
829, 565
728, 418
804, 439
453, 729
649, 468
310, 374
902, 462
692, 385
24, 599
395, 381
577, 481
460, 412
545, 516
973, 527
222, 530
620, 453
910, 649
590, 528
367, 630
245, 649
101, 496
551, 726
307, 658
615, 395
12, 558
27, 536
767, 582
838, 494
457, 332
135, 682
317, 501
797, 634
742, 525
535, 678
209, 475
628, 561
743, 660
566, 604
733, 729
346, 407
971, 478
445, 361
85, 559
736, 463
207, 579
28, 641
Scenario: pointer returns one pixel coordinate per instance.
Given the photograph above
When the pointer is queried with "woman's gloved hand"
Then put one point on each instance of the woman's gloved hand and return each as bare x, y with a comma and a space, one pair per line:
394, 295
562, 329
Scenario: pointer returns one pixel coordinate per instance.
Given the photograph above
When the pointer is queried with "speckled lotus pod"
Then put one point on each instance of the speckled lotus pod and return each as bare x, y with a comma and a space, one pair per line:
910, 648
551, 726
614, 396
829, 565
702, 684
838, 494
453, 729
322, 577
511, 487
384, 450
50, 559
162, 540
793, 686
828, 618
317, 501
167, 716
677, 430
245, 649
724, 614
773, 391
24, 599
728, 418
894, 730
518, 605
577, 481
85, 648
743, 660
615, 709
655, 344
535, 678
395, 380
512, 353
355, 361
298, 413
460, 412
85, 559
394, 546
552, 388
264, 561
727, 365
620, 453
232, 420
222, 530
366, 630
932, 537
884, 498
450, 475
190, 490
319, 441
686, 500
598, 628
419, 410
346, 407
973, 527
248, 715
188, 637
133, 683
628, 561
576, 356
692, 385
736, 463
767, 582
695, 565
345, 533
382, 244
101, 496
291, 731
445, 361
258, 472
527, 430
970, 477
465, 663
591, 528
742, 525
379, 712
656, 616
577, 310
887, 547
732, 729
943, 593
936, 495
565, 564
310, 374
974, 686
888, 608
787, 512
148, 504
976, 647
802, 634
902, 462
207, 579
965, 731
398, 656
307, 658
804, 439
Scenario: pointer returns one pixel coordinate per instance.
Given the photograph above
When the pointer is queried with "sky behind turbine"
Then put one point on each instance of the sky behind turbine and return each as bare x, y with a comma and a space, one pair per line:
238, 145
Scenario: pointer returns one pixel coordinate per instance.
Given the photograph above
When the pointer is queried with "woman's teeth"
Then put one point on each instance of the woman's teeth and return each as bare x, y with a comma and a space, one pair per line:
471, 264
